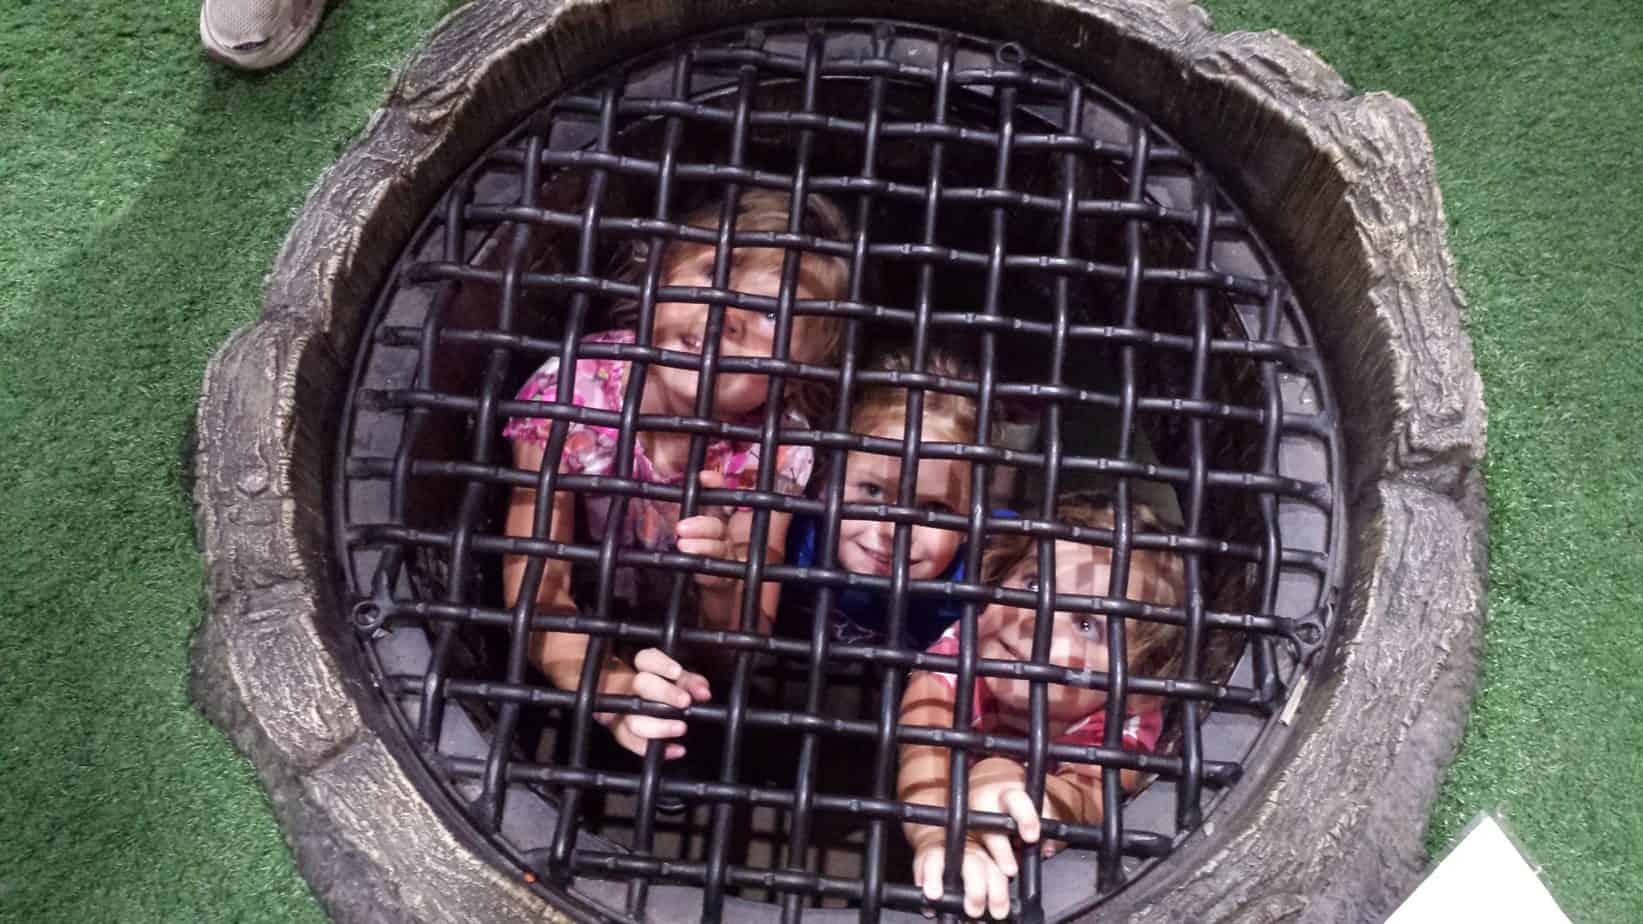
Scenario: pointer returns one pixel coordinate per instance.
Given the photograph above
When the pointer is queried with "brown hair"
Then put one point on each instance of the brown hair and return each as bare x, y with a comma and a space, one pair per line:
1154, 648
827, 277
878, 403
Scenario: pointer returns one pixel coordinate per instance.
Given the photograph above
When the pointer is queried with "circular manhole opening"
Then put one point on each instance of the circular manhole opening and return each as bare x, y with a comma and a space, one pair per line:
1007, 242
1104, 467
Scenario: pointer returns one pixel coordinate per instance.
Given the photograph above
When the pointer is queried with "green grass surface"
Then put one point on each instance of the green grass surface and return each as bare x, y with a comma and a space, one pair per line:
143, 193
1533, 114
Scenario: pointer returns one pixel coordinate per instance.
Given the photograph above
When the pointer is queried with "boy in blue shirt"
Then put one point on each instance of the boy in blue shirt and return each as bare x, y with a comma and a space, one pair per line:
860, 616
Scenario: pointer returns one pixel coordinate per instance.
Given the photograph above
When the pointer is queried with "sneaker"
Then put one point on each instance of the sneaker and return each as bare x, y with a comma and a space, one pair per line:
257, 34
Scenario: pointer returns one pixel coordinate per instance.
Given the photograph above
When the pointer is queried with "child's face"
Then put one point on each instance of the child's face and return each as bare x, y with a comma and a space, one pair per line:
867, 546
1077, 640
681, 326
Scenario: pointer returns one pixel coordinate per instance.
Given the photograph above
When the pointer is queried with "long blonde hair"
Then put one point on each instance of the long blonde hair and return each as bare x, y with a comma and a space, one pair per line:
816, 338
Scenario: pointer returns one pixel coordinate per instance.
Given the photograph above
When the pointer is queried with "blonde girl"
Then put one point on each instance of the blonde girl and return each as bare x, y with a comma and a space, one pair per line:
661, 457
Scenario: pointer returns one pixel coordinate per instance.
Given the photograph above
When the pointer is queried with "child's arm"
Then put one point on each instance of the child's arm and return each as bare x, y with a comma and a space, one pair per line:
923, 777
923, 774
561, 655
557, 654
1072, 793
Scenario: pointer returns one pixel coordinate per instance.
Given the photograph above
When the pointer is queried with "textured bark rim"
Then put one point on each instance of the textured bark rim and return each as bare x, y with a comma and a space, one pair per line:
1342, 187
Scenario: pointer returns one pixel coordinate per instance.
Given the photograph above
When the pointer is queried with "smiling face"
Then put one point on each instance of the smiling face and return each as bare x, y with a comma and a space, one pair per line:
866, 546
681, 326
1077, 640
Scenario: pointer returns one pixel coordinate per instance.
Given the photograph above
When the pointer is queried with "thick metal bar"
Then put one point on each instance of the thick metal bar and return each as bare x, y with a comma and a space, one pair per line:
1219, 773
876, 656
1319, 494
924, 255
459, 553
1299, 359
1259, 349
985, 76
713, 891
1111, 874
565, 831
674, 561
913, 423
632, 352
621, 865
981, 473
804, 783
643, 168
1181, 407
387, 575
377, 467
1031, 885
1188, 792
753, 585
488, 807
645, 812
1264, 657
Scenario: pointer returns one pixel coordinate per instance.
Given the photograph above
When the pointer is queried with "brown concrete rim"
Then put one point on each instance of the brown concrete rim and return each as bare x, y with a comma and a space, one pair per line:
1342, 185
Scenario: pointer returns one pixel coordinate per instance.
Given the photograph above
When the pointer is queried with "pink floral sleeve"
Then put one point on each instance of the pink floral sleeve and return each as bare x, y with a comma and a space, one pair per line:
600, 384
543, 385
740, 461
947, 645
597, 384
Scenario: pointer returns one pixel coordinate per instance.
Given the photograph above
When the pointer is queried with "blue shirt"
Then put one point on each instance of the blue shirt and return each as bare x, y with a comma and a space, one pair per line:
860, 616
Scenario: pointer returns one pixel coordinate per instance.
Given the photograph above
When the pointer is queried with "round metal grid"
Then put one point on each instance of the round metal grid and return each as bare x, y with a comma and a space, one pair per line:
1095, 268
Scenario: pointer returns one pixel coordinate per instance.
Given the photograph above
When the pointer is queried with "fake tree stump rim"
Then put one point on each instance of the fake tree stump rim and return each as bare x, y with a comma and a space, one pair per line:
1341, 186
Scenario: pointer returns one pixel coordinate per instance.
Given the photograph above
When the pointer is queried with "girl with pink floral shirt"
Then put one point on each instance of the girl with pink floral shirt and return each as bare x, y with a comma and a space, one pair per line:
661, 457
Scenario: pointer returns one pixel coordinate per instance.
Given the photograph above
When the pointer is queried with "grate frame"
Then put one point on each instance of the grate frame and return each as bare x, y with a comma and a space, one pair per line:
1210, 216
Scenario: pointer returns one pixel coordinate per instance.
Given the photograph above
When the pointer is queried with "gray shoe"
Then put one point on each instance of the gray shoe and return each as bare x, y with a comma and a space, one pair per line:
257, 34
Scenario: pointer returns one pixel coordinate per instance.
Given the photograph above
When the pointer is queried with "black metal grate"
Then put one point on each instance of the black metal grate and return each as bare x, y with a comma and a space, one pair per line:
1104, 282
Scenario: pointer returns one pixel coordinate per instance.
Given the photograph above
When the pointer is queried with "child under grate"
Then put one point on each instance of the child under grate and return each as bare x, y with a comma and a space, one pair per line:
660, 457
1078, 641
859, 616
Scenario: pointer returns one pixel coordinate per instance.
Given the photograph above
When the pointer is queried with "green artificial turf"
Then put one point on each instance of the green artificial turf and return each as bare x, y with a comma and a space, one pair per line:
143, 193
1533, 112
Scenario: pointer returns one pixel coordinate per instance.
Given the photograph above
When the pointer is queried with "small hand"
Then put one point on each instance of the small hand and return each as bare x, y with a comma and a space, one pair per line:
716, 532
999, 785
986, 885
704, 535
659, 679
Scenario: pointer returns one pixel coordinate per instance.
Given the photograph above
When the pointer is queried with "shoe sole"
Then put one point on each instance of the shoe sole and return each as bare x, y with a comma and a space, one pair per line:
270, 54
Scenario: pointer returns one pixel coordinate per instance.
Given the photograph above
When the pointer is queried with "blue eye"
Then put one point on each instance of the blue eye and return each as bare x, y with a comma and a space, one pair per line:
1091, 627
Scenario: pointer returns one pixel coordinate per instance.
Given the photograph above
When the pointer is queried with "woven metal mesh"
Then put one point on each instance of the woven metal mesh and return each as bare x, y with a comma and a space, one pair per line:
1113, 297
